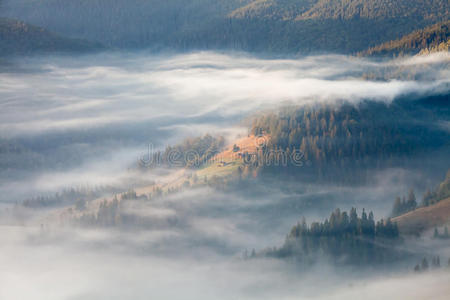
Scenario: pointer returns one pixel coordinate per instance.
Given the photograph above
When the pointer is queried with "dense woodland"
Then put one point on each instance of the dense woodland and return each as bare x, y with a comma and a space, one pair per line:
343, 238
345, 141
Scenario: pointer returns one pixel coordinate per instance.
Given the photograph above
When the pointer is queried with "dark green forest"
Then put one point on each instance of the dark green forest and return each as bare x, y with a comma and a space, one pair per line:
343, 238
343, 142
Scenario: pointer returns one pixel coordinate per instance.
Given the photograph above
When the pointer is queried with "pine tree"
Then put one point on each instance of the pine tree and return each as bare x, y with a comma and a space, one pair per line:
436, 233
411, 203
424, 265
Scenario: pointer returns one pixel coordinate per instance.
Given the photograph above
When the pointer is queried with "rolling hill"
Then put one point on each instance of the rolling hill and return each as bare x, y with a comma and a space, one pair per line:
20, 38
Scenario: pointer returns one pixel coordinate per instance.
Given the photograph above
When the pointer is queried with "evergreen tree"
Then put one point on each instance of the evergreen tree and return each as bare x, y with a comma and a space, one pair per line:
411, 203
424, 265
398, 207
436, 233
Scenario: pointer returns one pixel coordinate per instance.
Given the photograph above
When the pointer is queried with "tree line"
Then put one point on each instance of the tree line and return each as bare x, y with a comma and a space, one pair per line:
344, 237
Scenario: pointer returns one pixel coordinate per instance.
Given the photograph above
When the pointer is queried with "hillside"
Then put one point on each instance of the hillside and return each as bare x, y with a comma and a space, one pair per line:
424, 218
277, 26
20, 38
431, 39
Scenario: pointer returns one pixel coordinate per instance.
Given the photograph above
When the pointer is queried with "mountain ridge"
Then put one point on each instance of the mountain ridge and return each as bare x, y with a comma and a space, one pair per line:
272, 26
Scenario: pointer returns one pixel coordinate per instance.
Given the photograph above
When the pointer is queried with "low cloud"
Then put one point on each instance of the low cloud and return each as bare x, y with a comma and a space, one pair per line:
113, 89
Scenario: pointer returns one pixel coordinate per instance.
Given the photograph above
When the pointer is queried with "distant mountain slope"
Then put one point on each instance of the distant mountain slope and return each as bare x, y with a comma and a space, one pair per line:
376, 9
424, 218
278, 26
343, 9
19, 38
431, 39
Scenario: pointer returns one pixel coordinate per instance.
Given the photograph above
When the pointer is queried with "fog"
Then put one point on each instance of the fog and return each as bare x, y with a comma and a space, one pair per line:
88, 112
90, 266
85, 121
70, 93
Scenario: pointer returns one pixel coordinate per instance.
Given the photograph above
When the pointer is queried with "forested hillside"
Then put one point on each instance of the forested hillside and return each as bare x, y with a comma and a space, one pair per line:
343, 238
377, 9
19, 38
342, 9
343, 142
431, 39
281, 26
